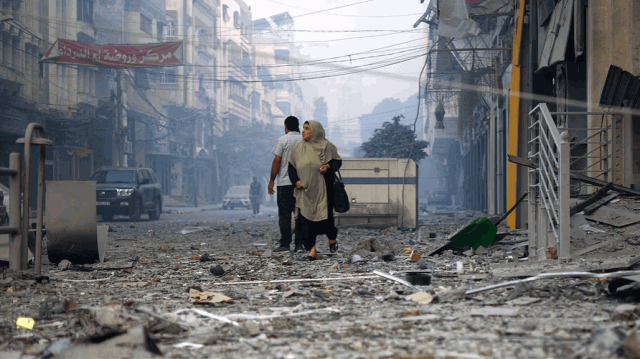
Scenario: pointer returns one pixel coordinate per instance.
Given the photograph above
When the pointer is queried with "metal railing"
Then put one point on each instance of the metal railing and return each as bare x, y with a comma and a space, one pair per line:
601, 154
549, 187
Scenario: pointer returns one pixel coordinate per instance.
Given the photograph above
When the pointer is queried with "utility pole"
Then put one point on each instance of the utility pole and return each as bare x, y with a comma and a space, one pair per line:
117, 141
121, 127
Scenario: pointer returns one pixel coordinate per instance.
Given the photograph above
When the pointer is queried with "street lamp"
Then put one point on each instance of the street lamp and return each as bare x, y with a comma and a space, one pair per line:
439, 117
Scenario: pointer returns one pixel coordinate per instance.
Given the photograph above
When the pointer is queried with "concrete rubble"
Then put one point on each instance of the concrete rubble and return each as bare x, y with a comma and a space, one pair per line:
207, 284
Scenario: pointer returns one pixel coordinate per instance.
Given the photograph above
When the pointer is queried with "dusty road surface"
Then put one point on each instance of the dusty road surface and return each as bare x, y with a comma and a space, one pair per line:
156, 295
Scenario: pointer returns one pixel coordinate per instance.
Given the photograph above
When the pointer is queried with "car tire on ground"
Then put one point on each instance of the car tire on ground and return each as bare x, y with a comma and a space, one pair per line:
137, 209
154, 215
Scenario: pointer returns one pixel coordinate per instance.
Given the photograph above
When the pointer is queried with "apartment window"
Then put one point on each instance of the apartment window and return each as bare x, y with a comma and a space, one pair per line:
15, 56
284, 106
255, 100
225, 13
168, 75
27, 60
170, 28
85, 11
202, 37
40, 66
236, 20
145, 24
159, 30
238, 89
200, 134
282, 56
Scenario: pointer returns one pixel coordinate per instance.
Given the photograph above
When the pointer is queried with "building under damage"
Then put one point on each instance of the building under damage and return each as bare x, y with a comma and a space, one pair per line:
519, 78
166, 118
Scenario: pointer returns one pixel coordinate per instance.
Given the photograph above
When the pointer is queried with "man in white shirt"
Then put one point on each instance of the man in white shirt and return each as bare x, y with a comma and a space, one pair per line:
279, 168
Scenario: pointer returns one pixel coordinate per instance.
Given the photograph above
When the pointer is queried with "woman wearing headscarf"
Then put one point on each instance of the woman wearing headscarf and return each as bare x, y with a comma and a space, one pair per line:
312, 165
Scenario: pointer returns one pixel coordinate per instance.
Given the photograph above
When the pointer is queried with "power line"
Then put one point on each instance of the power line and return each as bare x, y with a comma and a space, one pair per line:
364, 16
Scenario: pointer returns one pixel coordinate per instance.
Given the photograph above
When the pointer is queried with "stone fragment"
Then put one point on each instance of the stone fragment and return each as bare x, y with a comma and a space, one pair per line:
217, 270
388, 257
469, 253
64, 264
482, 250
267, 254
163, 248
452, 295
603, 343
422, 263
205, 258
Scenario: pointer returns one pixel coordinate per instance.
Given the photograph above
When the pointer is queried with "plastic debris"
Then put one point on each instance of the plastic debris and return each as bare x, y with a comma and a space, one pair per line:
25, 323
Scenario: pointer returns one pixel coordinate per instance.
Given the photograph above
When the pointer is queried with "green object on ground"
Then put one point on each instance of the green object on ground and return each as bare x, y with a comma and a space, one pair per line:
480, 232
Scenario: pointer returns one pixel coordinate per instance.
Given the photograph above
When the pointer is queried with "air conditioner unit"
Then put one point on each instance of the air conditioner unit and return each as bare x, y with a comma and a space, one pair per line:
128, 147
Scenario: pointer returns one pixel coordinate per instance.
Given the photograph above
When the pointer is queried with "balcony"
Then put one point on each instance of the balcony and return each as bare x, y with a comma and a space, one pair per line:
242, 101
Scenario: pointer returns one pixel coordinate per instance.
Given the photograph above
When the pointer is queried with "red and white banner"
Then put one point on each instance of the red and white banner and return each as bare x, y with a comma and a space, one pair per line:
151, 55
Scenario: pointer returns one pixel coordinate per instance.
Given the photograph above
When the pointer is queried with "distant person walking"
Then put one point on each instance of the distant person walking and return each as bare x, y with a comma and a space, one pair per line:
312, 166
285, 199
255, 193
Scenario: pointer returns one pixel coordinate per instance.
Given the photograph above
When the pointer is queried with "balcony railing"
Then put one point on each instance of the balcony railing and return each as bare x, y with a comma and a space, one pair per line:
549, 187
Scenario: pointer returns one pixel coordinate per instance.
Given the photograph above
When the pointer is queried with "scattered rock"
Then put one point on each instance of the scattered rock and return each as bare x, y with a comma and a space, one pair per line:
217, 270
64, 264
603, 343
422, 263
205, 258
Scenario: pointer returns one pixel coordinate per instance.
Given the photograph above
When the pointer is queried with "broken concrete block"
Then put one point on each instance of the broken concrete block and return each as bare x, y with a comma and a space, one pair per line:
481, 250
469, 252
450, 295
422, 264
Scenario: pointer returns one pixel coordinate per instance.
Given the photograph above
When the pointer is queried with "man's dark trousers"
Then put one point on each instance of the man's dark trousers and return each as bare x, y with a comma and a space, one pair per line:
286, 206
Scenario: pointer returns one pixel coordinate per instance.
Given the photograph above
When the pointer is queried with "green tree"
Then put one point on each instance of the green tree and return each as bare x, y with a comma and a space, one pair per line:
394, 140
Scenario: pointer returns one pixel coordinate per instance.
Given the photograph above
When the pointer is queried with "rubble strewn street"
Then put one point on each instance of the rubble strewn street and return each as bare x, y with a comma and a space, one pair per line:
157, 294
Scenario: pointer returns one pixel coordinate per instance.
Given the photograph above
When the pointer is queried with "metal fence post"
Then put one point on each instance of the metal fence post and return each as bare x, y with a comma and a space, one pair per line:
532, 211
40, 209
16, 247
565, 188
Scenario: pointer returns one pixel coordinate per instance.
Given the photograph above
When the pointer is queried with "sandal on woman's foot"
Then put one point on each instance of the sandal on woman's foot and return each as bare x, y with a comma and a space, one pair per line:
310, 258
333, 247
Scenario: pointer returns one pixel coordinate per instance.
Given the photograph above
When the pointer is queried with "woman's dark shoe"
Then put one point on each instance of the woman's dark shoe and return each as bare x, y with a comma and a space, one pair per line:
333, 247
310, 258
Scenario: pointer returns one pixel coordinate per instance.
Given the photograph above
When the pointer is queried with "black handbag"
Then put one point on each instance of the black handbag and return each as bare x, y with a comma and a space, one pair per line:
340, 197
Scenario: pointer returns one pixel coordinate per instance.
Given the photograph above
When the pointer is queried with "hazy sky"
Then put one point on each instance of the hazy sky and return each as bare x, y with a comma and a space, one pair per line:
350, 96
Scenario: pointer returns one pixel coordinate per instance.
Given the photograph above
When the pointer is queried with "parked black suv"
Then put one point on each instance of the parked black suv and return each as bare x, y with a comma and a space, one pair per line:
127, 191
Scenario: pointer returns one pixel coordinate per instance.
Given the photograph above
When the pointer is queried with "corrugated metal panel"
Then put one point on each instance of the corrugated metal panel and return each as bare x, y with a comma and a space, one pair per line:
555, 45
